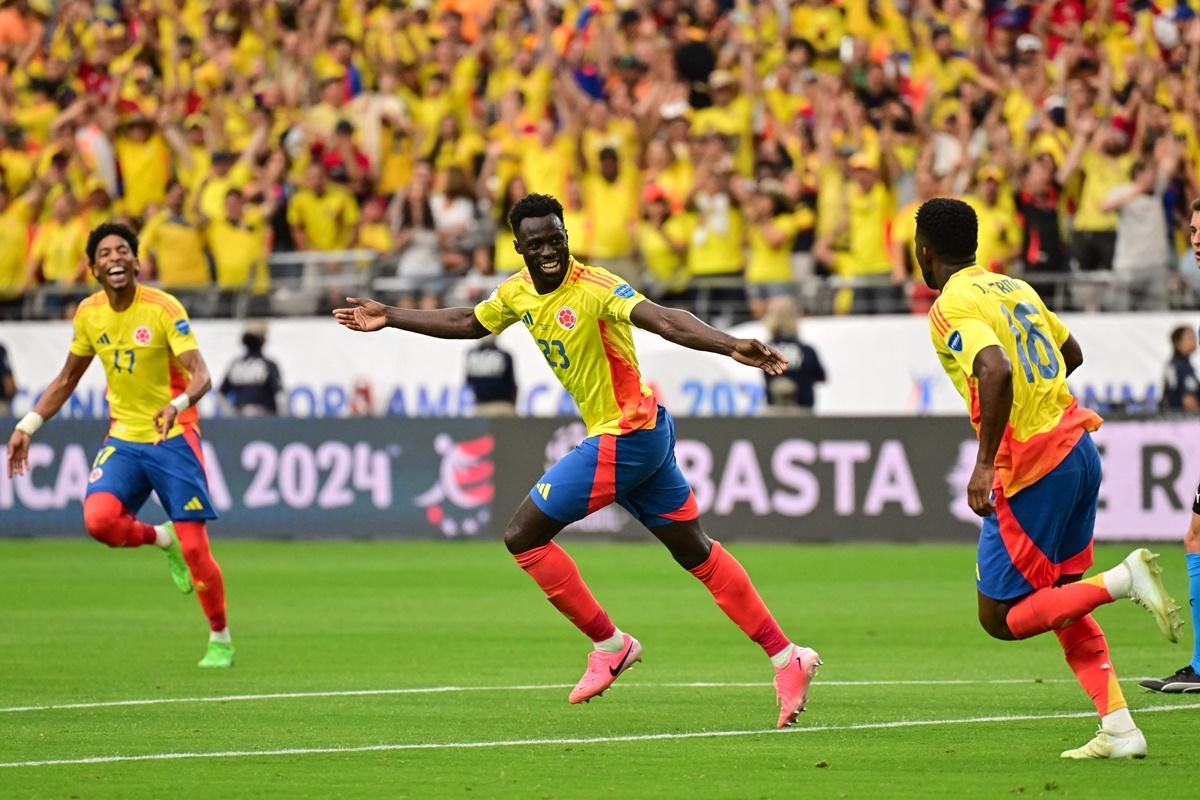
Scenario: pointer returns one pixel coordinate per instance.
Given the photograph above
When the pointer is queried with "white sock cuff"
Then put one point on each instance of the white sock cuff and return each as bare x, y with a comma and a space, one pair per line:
1117, 721
220, 636
1118, 581
612, 644
161, 537
781, 659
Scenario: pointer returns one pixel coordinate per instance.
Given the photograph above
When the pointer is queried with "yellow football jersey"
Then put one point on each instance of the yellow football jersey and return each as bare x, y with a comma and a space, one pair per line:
584, 332
979, 309
139, 348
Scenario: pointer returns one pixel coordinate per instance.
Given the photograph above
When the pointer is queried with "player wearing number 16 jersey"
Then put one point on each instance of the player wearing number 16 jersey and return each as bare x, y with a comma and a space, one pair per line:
581, 318
155, 375
1037, 473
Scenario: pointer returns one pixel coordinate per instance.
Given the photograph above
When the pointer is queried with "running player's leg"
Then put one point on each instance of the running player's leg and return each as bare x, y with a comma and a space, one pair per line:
665, 504
176, 470
1032, 555
581, 482
1019, 590
116, 485
529, 537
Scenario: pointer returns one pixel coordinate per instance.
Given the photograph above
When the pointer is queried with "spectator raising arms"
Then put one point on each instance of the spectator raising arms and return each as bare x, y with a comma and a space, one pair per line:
686, 115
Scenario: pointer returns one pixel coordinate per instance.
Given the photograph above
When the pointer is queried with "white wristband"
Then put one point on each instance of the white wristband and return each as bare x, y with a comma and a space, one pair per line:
30, 423
181, 403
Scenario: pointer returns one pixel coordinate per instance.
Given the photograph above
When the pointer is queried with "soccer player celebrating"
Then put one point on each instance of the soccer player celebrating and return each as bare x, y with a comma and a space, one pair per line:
581, 318
1187, 678
1037, 474
155, 376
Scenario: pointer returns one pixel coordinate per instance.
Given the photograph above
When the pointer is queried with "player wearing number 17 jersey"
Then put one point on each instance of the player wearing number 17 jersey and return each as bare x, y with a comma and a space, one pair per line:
155, 375
581, 318
1037, 473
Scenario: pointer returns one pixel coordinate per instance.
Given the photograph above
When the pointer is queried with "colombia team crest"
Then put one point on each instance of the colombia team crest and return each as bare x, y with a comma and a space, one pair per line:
142, 335
567, 318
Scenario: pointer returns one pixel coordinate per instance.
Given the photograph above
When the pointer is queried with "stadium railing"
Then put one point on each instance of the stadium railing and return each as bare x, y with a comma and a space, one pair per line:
307, 283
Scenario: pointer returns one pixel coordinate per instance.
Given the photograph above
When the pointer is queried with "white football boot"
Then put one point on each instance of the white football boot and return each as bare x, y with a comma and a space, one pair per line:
1131, 744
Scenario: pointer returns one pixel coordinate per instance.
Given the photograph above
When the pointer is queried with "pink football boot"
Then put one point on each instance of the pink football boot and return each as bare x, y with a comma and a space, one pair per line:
603, 668
791, 683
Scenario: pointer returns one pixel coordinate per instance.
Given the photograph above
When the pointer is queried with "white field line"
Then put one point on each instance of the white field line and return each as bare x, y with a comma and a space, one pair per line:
532, 687
642, 737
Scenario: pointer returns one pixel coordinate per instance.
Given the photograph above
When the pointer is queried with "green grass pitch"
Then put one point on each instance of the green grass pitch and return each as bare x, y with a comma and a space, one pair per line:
84, 624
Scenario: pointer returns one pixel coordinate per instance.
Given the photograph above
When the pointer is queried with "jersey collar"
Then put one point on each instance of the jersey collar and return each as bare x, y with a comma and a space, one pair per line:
972, 270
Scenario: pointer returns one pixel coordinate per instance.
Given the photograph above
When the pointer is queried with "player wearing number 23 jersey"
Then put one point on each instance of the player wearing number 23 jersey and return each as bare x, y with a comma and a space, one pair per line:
582, 319
584, 332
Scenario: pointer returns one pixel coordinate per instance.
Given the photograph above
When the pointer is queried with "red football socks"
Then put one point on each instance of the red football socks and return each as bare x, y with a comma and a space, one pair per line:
1057, 607
206, 575
108, 521
1086, 650
555, 571
735, 594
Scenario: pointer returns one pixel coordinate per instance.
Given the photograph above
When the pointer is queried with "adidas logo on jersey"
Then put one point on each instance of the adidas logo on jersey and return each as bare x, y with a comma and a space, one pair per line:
193, 505
527, 319
544, 490
103, 339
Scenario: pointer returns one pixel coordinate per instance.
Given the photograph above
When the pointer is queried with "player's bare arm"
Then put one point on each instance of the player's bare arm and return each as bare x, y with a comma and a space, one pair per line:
47, 406
366, 316
1072, 354
993, 371
685, 329
198, 386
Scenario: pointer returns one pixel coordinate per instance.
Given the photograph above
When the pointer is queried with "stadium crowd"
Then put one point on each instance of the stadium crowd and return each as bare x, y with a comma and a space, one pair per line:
720, 154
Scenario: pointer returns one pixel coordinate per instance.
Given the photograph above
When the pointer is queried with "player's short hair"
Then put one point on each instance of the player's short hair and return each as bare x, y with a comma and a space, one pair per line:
110, 229
1177, 335
950, 228
1196, 204
534, 205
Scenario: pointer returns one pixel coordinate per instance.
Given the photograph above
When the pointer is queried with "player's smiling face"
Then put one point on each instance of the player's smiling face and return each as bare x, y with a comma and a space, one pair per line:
542, 242
116, 262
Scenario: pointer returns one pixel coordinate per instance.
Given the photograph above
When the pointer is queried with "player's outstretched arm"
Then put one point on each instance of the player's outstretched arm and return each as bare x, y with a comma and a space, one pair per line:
993, 372
681, 327
198, 385
47, 406
442, 323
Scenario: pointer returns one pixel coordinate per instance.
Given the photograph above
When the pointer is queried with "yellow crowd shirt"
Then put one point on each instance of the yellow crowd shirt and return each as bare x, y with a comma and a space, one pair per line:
139, 348
979, 309
61, 247
144, 171
327, 219
771, 264
735, 120
545, 169
14, 244
870, 213
239, 252
999, 234
654, 244
583, 330
177, 246
715, 249
610, 209
1101, 174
